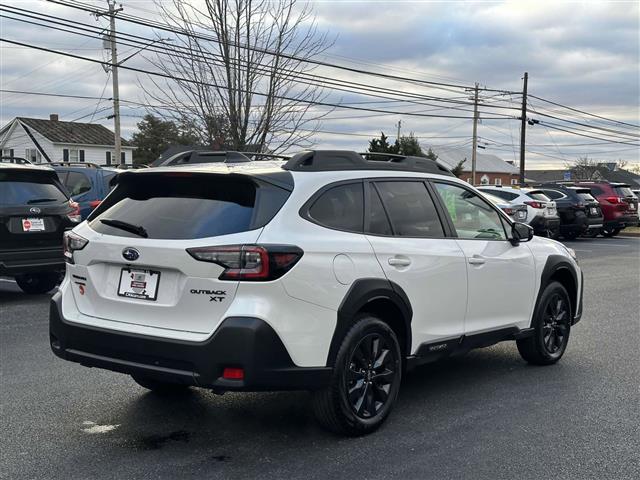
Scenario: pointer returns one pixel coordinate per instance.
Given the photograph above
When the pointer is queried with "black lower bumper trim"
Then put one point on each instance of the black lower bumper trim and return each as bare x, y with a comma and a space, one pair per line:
20, 261
241, 342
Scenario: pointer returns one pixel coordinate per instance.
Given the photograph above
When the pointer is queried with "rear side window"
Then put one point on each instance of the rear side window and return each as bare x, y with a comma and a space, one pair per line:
538, 195
341, 207
585, 196
508, 196
186, 206
553, 194
23, 188
596, 190
77, 183
410, 208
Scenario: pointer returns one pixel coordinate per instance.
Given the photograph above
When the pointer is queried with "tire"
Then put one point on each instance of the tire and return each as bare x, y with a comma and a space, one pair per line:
156, 386
551, 325
610, 232
37, 283
374, 389
592, 234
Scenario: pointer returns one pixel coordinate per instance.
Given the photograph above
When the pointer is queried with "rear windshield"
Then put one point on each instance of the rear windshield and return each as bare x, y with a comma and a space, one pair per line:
623, 191
24, 188
185, 206
538, 195
585, 195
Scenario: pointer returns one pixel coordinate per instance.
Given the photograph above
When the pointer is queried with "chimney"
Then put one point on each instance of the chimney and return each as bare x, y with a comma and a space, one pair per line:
53, 117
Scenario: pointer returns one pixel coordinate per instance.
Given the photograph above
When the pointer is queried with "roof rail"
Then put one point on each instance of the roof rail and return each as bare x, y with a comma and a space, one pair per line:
330, 160
74, 164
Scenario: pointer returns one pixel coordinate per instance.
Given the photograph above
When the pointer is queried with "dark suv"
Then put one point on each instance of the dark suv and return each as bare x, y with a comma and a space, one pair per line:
579, 211
87, 183
618, 203
35, 211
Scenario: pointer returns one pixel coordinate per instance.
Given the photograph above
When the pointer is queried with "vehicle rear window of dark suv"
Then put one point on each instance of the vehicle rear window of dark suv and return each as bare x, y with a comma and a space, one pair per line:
25, 188
184, 206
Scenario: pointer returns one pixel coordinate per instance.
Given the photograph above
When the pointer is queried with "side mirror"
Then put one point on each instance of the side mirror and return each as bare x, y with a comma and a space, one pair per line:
521, 232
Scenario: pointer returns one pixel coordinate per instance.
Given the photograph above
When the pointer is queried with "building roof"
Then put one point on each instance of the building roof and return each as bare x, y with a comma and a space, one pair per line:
604, 173
484, 162
71, 132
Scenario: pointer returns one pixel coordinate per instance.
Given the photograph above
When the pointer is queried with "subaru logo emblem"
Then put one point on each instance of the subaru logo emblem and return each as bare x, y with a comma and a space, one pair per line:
34, 210
130, 254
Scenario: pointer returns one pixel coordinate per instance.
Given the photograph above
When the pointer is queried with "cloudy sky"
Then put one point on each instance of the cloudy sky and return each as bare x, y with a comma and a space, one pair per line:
580, 54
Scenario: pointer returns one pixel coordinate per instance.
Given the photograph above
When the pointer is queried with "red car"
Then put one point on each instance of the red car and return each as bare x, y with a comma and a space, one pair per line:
618, 204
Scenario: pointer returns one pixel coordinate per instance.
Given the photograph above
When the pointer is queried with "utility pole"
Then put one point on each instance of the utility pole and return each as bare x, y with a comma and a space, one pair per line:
114, 76
475, 136
523, 127
399, 126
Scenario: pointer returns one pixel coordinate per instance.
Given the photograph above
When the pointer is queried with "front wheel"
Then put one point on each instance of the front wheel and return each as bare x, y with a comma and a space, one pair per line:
365, 381
551, 327
37, 283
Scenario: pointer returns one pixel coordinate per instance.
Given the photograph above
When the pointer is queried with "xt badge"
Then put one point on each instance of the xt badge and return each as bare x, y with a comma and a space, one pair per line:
214, 295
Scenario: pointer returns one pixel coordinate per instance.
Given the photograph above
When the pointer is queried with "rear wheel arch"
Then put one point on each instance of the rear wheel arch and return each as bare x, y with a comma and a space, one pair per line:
380, 297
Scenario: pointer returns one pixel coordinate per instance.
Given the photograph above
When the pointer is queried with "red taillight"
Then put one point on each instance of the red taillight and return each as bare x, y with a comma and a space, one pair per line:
94, 203
250, 262
230, 373
535, 204
74, 216
613, 199
508, 211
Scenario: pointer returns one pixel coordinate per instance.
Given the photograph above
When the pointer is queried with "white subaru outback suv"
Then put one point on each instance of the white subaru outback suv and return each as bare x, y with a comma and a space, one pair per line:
330, 272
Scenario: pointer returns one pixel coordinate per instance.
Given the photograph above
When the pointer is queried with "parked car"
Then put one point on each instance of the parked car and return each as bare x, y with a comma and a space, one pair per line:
18, 160
618, 203
579, 211
35, 211
329, 273
541, 210
517, 213
87, 183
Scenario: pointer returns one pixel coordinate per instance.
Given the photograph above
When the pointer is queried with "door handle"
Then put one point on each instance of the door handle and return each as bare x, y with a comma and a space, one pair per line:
399, 261
477, 260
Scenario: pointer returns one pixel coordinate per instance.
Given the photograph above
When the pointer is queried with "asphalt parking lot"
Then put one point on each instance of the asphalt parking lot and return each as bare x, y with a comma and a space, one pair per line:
485, 415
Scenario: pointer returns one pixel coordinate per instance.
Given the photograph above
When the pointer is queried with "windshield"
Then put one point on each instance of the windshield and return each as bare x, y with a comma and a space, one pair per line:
538, 195
623, 191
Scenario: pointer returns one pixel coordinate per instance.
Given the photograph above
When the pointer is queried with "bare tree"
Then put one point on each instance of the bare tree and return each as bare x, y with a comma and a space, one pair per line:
584, 168
235, 71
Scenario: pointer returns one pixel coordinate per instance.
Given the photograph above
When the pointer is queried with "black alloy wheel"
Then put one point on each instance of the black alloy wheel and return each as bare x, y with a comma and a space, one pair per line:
372, 372
556, 324
365, 381
610, 232
551, 327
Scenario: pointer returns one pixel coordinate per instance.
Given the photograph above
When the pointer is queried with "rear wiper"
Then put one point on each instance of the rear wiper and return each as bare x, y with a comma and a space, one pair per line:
41, 200
127, 227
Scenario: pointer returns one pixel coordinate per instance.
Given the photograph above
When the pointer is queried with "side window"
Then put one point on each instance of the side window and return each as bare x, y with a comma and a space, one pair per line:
595, 190
107, 180
553, 194
340, 207
378, 220
77, 183
410, 208
473, 217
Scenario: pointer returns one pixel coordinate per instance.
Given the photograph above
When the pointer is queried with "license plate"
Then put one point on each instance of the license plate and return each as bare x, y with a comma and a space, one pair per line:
33, 224
140, 284
594, 211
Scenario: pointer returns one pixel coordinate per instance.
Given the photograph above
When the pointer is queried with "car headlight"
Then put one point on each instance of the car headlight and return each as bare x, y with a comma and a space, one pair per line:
572, 253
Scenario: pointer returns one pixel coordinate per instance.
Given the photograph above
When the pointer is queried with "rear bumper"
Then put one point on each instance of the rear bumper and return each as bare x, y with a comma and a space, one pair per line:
19, 261
240, 342
622, 221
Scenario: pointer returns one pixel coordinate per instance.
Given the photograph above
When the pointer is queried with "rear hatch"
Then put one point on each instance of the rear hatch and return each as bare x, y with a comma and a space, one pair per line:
546, 206
589, 202
138, 270
33, 210
628, 198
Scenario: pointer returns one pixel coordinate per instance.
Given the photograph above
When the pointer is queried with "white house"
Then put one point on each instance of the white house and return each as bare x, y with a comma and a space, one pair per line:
45, 141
